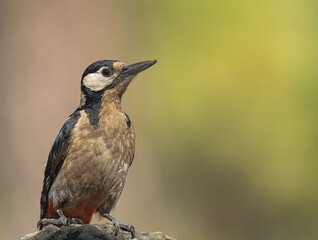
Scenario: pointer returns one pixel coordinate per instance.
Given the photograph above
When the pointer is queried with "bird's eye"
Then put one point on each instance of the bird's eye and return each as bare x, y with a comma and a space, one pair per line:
106, 72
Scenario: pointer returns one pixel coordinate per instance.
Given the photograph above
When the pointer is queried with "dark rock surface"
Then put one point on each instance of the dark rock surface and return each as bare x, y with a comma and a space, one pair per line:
91, 232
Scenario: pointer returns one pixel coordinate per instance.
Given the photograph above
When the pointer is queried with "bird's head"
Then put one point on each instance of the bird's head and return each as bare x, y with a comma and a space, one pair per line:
109, 77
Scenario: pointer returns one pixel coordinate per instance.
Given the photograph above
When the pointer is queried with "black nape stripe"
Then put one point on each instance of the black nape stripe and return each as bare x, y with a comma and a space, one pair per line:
128, 120
93, 114
92, 104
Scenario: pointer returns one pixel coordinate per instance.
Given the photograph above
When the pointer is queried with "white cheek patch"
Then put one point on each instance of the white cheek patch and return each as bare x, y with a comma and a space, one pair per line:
96, 82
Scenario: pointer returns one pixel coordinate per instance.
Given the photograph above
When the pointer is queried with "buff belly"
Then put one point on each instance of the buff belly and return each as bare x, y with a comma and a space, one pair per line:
91, 178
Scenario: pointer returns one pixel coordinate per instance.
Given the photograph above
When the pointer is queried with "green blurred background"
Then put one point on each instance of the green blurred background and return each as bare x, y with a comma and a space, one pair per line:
226, 121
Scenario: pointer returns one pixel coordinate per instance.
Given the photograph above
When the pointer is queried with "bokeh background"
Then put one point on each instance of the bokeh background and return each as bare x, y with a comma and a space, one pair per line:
226, 121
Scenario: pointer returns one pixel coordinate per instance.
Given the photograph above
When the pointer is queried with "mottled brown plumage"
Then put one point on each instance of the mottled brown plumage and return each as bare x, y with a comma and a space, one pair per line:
89, 160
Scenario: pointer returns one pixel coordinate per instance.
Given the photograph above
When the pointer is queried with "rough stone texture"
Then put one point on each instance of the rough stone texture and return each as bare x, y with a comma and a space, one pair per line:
90, 232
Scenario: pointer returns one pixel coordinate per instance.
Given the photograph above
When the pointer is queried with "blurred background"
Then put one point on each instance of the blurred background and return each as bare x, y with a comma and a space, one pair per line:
226, 121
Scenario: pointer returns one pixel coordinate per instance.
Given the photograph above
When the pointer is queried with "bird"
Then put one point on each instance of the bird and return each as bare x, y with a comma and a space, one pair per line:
88, 163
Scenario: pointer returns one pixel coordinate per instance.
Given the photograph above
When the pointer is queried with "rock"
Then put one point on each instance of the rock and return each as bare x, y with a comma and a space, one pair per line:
91, 232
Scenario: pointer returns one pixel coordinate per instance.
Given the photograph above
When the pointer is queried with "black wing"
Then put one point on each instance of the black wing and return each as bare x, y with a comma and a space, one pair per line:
56, 158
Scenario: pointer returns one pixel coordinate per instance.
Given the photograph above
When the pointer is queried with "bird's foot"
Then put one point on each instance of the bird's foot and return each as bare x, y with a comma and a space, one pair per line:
61, 221
118, 224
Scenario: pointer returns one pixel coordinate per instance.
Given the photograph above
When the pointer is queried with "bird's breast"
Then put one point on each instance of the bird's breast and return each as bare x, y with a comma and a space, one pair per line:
98, 158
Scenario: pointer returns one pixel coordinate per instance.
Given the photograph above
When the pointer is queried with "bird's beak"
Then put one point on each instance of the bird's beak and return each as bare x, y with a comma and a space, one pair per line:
136, 68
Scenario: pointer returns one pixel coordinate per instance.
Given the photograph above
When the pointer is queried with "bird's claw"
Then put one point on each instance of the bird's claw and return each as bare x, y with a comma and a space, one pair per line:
61, 221
75, 221
119, 225
126, 227
129, 228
